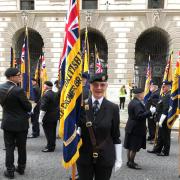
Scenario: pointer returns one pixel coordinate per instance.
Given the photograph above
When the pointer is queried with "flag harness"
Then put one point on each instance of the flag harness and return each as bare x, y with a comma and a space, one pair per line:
89, 125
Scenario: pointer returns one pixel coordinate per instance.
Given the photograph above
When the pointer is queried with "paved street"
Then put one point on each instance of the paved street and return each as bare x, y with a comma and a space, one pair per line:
46, 166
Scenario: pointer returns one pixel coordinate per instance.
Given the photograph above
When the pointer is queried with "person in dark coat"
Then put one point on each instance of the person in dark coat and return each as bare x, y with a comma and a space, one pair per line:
49, 115
135, 130
86, 94
35, 111
14, 121
152, 101
97, 161
162, 146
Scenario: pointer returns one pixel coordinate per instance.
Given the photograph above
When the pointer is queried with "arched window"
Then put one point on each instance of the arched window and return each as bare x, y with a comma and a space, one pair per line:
89, 4
155, 4
26, 4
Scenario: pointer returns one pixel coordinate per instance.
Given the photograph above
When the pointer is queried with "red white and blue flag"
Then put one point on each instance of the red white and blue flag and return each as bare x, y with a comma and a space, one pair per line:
98, 66
70, 67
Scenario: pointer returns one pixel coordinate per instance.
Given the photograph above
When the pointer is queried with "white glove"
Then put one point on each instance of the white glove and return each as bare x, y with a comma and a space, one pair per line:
41, 116
78, 131
152, 109
162, 118
118, 162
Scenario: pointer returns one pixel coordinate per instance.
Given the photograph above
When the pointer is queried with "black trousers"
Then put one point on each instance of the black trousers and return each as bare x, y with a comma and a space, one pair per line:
163, 141
50, 133
151, 127
94, 172
34, 120
122, 102
12, 139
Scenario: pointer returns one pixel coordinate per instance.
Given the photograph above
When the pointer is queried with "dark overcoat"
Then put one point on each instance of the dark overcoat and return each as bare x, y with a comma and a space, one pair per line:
163, 107
15, 110
50, 104
106, 130
137, 115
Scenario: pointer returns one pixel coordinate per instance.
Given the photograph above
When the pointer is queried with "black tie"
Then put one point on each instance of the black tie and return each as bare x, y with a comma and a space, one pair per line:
95, 108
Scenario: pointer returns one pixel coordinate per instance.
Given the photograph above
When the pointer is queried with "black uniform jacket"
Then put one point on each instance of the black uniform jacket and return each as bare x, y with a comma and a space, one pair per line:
163, 107
16, 108
50, 104
153, 99
37, 93
107, 133
137, 115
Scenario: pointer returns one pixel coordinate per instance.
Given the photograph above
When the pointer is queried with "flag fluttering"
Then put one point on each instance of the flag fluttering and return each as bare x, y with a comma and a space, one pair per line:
13, 58
147, 91
98, 64
37, 74
168, 70
71, 87
174, 108
86, 53
25, 67
44, 76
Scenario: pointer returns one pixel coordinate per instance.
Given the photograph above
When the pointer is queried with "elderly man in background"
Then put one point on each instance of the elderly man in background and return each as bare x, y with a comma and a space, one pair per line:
49, 115
14, 121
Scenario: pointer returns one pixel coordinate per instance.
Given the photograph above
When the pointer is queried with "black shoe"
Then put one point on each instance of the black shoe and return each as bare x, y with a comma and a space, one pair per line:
19, 170
134, 166
151, 151
32, 136
9, 174
48, 150
162, 154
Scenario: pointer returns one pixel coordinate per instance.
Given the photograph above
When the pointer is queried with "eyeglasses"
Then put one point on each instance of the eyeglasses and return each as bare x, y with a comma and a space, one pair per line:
18, 75
96, 85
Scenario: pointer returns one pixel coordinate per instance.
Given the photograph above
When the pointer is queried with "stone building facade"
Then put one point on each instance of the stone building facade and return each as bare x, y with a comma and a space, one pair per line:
132, 29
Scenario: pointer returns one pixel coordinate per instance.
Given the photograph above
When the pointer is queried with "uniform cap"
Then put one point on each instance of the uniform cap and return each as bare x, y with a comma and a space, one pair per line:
166, 82
33, 79
98, 77
48, 83
138, 90
11, 72
85, 75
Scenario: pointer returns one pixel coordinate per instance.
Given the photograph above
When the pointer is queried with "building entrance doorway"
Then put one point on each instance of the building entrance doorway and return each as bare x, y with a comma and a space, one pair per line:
35, 47
153, 44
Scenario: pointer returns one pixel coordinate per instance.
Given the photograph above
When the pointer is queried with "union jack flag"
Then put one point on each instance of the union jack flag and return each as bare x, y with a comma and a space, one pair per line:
98, 66
71, 87
148, 82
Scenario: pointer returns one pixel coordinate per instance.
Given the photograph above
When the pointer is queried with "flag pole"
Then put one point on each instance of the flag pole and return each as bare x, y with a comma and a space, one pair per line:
74, 165
179, 120
73, 171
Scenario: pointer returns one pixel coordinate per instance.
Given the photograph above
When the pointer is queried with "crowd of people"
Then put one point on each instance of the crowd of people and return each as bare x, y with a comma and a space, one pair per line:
98, 124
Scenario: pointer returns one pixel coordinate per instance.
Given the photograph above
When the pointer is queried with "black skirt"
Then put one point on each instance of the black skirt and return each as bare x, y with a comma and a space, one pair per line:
134, 142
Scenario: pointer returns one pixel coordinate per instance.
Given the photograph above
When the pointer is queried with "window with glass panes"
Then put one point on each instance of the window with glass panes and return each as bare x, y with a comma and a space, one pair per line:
89, 4
26, 4
155, 4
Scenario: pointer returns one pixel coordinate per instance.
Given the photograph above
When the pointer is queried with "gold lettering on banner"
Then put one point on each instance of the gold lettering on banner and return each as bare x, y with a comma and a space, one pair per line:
74, 86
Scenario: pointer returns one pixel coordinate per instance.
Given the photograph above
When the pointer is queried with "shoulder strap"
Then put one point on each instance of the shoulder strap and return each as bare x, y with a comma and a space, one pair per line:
91, 133
7, 94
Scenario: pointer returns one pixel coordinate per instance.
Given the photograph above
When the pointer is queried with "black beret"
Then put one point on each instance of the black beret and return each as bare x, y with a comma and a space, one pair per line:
138, 90
11, 72
166, 82
48, 83
33, 79
100, 77
85, 75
